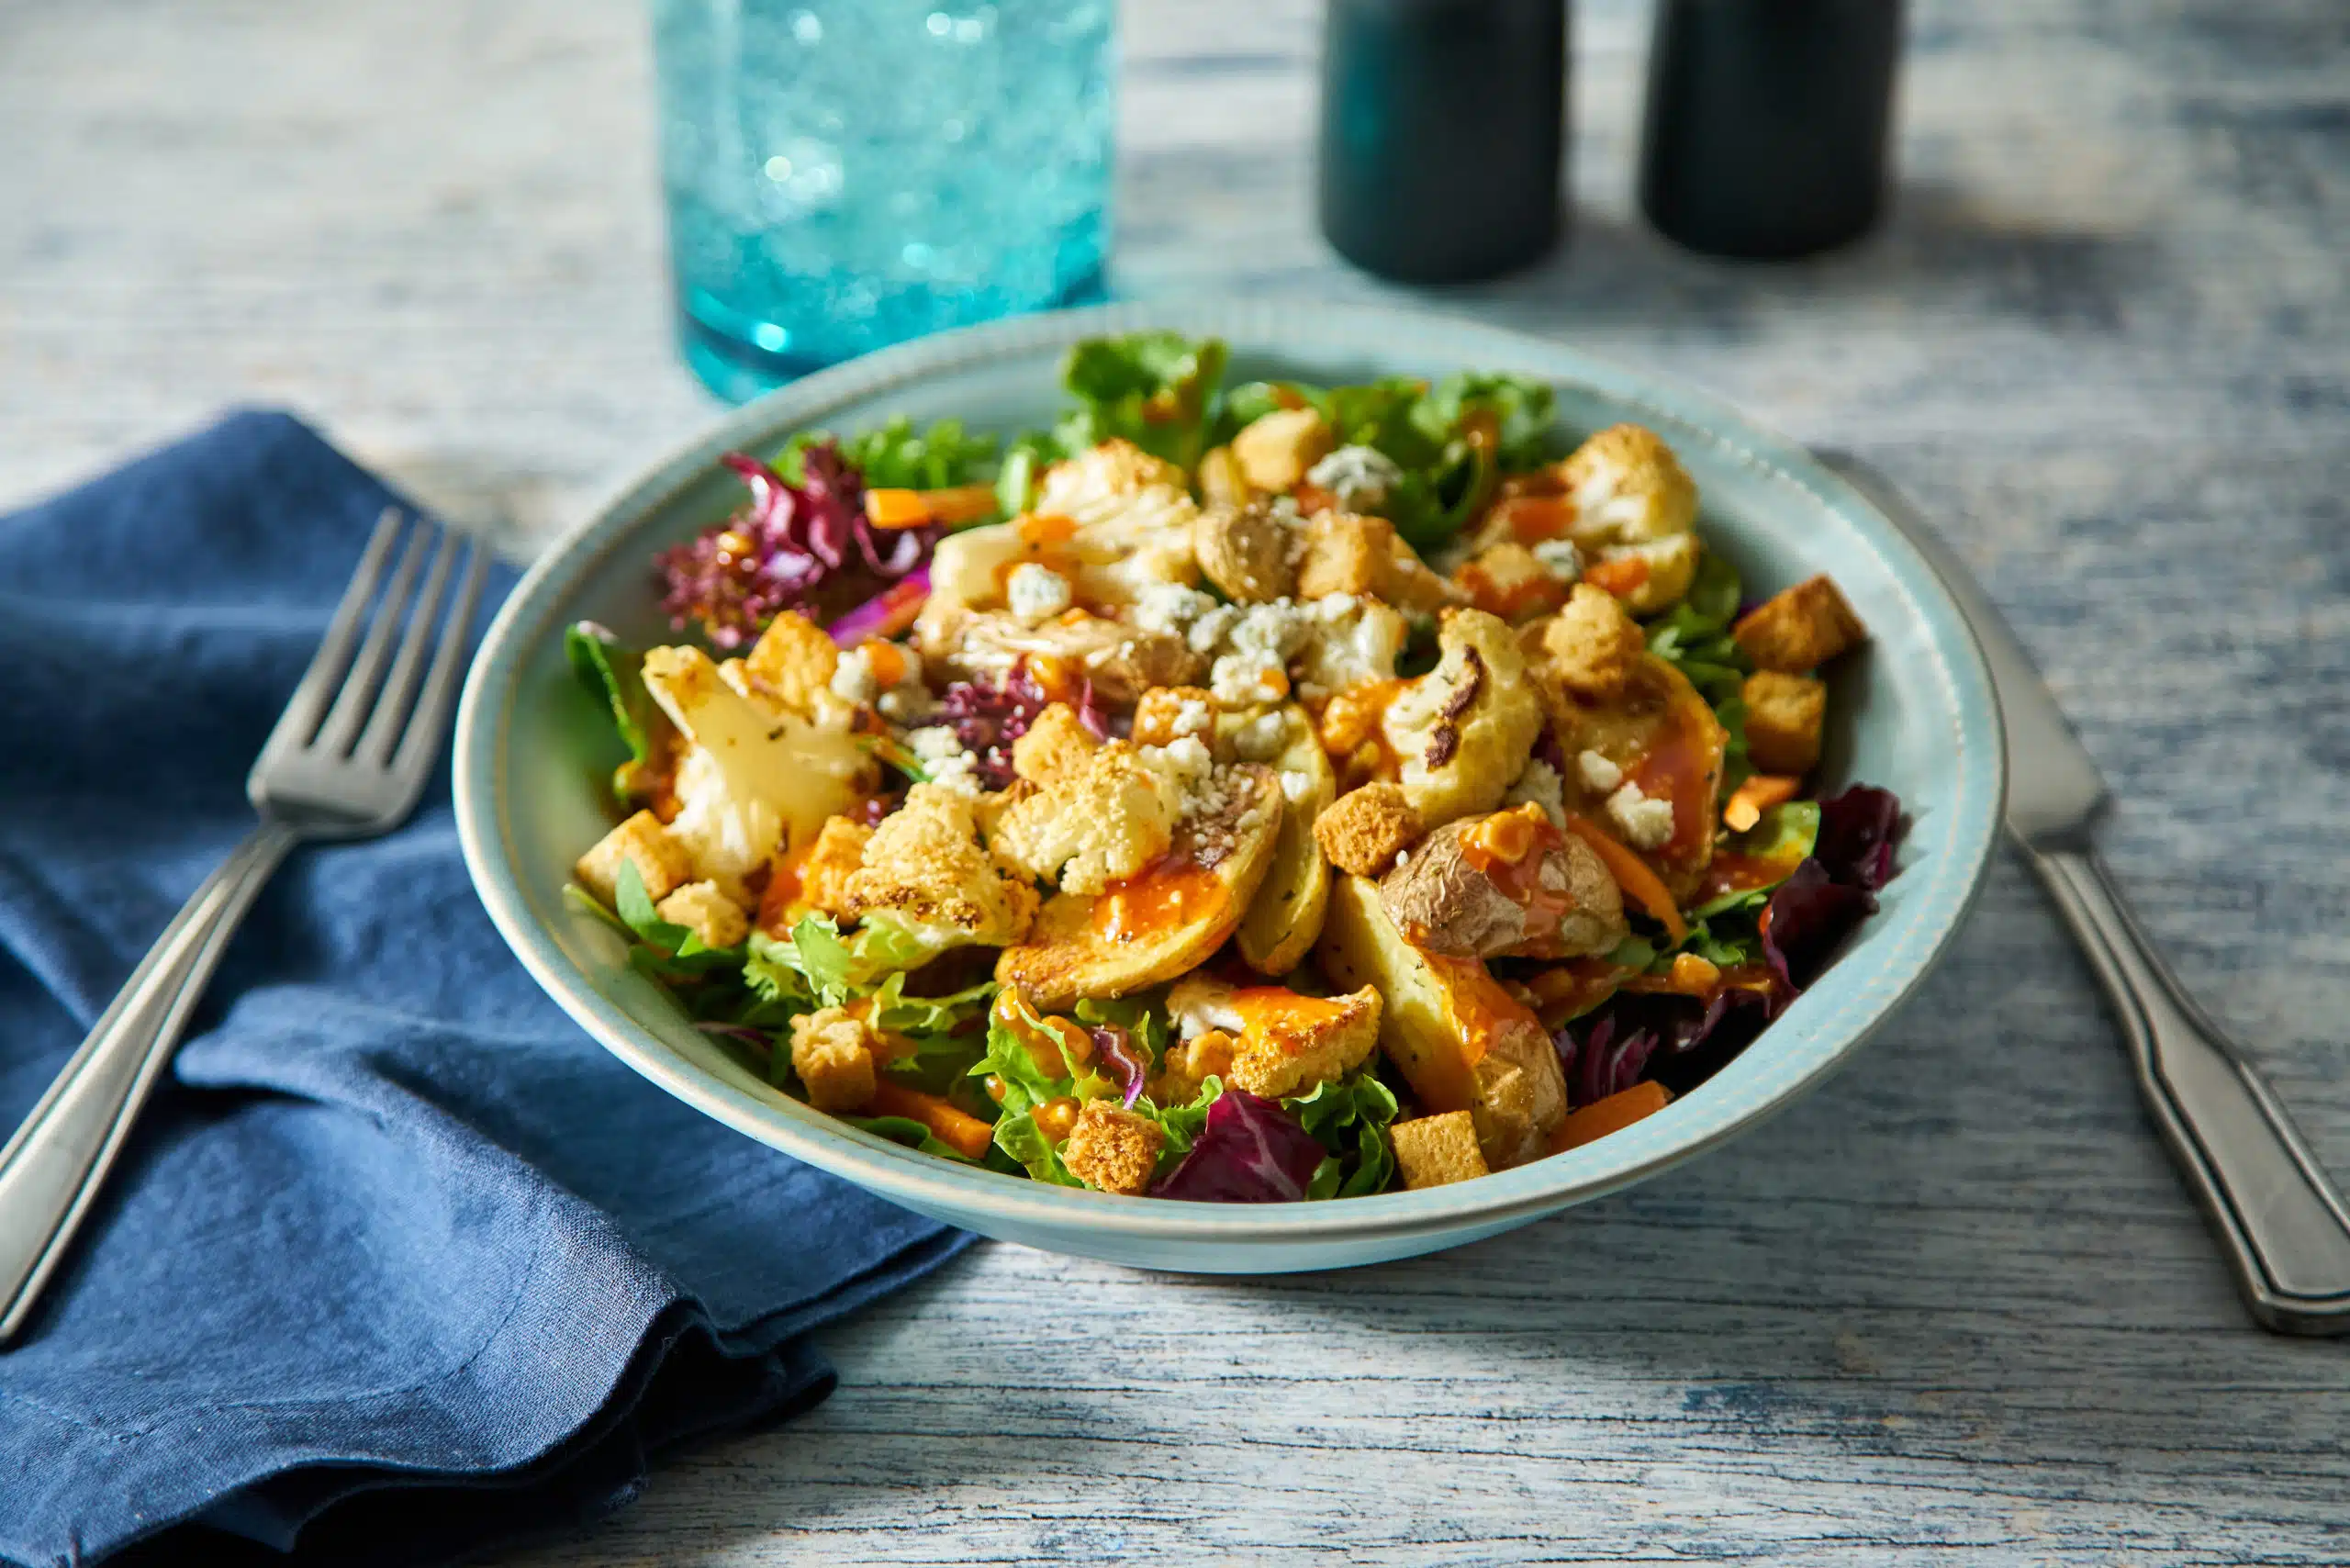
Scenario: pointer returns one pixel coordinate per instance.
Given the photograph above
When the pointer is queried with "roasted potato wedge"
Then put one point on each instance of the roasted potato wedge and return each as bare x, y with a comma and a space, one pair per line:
1657, 734
1463, 1042
1285, 917
1162, 922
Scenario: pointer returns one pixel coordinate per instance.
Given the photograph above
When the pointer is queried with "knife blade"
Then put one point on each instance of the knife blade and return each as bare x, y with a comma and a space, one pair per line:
2285, 1228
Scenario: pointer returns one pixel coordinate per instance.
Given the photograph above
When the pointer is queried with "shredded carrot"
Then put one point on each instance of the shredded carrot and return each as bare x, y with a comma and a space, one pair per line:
1632, 875
958, 505
1619, 577
1758, 794
1612, 1114
896, 509
968, 1136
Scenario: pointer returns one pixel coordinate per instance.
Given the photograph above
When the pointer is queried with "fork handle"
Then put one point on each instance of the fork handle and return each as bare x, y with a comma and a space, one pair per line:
2285, 1229
52, 1170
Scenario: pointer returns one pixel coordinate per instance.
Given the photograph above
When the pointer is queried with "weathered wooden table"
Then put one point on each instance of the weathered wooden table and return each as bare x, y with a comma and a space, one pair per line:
1954, 1306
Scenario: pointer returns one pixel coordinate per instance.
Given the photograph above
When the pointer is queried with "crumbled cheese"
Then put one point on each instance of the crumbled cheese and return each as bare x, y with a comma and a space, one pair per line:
1169, 609
1647, 823
1561, 557
1035, 593
1540, 783
942, 755
1599, 774
1276, 630
1243, 680
1207, 634
908, 704
1262, 739
1401, 855
1296, 786
1362, 477
853, 677
1193, 718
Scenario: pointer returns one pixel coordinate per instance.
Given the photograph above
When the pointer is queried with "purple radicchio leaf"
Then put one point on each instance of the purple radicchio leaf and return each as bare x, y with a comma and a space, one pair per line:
1113, 1045
1807, 921
1859, 831
1251, 1151
1609, 1057
987, 718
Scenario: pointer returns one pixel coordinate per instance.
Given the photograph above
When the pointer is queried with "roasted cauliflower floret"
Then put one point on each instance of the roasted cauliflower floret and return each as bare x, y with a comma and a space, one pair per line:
832, 1053
924, 871
1635, 507
1357, 644
1464, 729
1092, 825
1276, 449
1129, 505
1122, 661
1111, 1150
750, 781
1282, 1044
1513, 581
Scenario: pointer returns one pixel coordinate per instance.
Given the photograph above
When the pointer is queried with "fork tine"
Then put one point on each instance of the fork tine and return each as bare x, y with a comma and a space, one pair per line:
358, 694
390, 717
324, 678
430, 720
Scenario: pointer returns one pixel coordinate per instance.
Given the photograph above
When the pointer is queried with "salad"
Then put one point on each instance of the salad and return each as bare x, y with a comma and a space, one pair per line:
1251, 793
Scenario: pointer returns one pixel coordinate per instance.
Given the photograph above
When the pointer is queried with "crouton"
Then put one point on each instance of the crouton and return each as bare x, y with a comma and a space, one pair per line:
1464, 729
1188, 1064
660, 860
1589, 647
837, 855
1275, 450
1796, 631
1095, 825
1290, 1044
1465, 895
832, 1053
794, 661
1347, 553
1245, 551
1365, 829
1511, 581
924, 869
1167, 713
1056, 746
1222, 484
1784, 714
710, 915
1433, 1150
1111, 1150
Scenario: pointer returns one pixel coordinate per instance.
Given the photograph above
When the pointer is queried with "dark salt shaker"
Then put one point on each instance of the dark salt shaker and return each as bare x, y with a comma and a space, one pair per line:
1443, 127
1767, 122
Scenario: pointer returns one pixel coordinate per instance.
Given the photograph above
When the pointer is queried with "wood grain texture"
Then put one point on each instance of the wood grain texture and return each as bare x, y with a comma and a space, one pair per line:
1956, 1306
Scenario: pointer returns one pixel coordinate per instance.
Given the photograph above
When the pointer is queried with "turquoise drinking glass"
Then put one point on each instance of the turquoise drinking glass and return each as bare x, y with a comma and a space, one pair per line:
844, 175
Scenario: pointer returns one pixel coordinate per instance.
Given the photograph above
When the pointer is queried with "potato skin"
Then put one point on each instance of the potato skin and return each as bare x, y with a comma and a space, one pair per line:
1460, 1041
1448, 906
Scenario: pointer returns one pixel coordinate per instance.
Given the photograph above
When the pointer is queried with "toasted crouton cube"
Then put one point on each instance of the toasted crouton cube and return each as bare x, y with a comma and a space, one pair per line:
1167, 713
794, 660
710, 915
1347, 553
1797, 631
1191, 1063
1222, 484
1292, 1044
661, 860
832, 1052
1589, 647
1275, 450
1245, 551
1365, 829
1112, 1149
1433, 1150
1784, 714
1055, 746
837, 855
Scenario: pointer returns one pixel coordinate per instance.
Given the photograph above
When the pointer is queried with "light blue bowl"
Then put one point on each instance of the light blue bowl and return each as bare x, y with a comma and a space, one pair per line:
1914, 713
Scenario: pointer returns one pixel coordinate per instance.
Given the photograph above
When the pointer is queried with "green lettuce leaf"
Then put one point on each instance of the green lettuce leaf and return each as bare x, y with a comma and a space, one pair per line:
678, 946
1350, 1117
907, 1131
1156, 389
898, 456
1694, 636
1519, 406
613, 673
1726, 931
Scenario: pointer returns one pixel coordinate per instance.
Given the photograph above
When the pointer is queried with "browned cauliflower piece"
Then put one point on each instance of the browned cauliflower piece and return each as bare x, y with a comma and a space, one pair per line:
924, 869
1464, 729
1093, 824
1634, 503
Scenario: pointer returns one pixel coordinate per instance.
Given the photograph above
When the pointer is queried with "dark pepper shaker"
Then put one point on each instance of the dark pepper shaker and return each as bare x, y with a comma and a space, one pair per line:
1767, 122
1443, 128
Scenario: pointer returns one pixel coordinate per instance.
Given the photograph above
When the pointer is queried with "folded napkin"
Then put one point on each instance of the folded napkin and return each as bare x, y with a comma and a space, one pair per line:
400, 1265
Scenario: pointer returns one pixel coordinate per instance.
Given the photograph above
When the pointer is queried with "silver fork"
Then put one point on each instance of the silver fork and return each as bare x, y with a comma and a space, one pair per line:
347, 760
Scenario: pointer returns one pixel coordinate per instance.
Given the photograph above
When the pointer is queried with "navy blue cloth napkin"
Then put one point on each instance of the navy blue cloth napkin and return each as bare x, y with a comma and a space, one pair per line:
400, 1265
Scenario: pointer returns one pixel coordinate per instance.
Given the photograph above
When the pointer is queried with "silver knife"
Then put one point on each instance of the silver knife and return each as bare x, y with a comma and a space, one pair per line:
2286, 1229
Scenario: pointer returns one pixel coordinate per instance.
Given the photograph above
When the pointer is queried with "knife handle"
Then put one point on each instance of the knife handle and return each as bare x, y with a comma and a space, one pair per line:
2285, 1229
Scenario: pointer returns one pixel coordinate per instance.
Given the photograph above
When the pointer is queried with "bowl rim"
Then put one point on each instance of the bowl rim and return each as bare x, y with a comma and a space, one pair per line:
1948, 877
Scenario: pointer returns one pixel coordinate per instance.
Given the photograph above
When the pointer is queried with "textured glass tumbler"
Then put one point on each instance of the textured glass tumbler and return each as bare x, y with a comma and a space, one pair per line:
845, 174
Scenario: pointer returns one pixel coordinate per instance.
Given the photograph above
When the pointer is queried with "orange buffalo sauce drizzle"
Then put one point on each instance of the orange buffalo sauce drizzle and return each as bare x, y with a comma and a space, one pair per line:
1507, 848
779, 902
1056, 1045
1280, 1017
1575, 988
1531, 519
1731, 873
1675, 769
1167, 895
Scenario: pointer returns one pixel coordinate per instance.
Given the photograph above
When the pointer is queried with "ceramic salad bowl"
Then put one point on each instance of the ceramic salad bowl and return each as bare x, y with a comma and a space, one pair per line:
1915, 714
